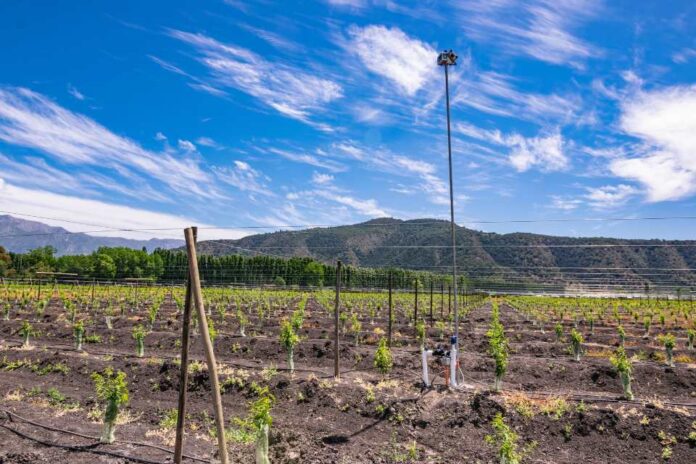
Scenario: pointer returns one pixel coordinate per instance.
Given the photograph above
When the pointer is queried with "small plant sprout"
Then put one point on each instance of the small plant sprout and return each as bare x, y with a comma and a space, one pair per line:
441, 327
576, 342
420, 334
355, 327
6, 311
79, 333
383, 357
257, 424
139, 336
623, 366
112, 389
622, 335
558, 328
289, 339
212, 331
690, 338
668, 341
498, 347
505, 441
26, 331
646, 325
243, 321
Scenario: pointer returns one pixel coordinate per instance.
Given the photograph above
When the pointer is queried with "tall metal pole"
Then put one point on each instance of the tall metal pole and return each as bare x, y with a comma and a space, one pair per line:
448, 59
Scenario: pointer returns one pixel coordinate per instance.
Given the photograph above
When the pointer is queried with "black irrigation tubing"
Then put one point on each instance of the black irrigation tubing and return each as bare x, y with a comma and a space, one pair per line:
120, 354
126, 442
79, 449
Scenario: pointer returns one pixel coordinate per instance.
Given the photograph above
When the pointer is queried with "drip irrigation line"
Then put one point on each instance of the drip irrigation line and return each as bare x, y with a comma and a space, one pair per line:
79, 449
125, 442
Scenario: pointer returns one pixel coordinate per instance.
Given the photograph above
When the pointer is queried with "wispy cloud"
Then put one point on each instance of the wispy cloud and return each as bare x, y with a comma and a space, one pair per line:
72, 90
544, 152
541, 29
104, 214
306, 158
288, 89
665, 163
31, 120
245, 178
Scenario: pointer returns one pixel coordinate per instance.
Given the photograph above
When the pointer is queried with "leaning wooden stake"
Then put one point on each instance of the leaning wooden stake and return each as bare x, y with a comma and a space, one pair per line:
183, 376
337, 344
197, 295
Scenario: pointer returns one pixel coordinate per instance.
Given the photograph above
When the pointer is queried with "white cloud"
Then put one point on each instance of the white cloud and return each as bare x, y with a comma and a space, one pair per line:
541, 29
666, 163
565, 204
208, 142
389, 52
288, 89
609, 196
160, 137
544, 152
312, 160
244, 177
101, 215
75, 93
186, 145
365, 207
684, 56
31, 120
322, 179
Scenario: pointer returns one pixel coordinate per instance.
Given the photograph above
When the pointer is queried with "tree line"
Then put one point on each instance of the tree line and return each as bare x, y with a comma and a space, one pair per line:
172, 266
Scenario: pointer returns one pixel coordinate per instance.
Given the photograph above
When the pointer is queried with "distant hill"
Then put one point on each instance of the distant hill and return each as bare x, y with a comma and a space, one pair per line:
19, 236
422, 244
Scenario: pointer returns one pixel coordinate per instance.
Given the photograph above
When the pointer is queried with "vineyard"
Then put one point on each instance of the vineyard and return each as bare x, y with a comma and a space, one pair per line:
90, 373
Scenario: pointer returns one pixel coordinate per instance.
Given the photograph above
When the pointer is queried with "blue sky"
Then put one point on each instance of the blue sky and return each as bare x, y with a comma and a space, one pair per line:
158, 114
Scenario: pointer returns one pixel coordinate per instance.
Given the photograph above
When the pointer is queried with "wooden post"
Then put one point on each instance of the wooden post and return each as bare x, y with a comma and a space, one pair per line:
449, 300
431, 302
442, 300
415, 297
183, 375
389, 323
197, 295
337, 344
39, 297
93, 283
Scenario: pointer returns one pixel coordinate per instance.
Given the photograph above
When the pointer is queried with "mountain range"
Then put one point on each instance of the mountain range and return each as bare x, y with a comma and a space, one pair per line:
425, 244
422, 244
20, 235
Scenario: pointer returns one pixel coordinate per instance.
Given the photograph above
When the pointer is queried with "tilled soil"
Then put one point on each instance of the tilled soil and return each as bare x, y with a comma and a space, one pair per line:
361, 418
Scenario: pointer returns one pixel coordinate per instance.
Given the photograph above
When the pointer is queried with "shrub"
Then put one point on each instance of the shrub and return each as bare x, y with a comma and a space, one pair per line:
26, 331
622, 335
623, 366
257, 424
420, 333
383, 357
112, 389
558, 328
355, 327
505, 441
691, 337
289, 339
669, 341
498, 347
79, 332
576, 341
243, 321
139, 336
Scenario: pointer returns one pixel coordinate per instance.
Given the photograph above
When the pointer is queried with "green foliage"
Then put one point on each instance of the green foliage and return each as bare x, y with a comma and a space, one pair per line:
505, 441
288, 338
420, 332
26, 331
623, 366
498, 346
576, 341
558, 328
383, 357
